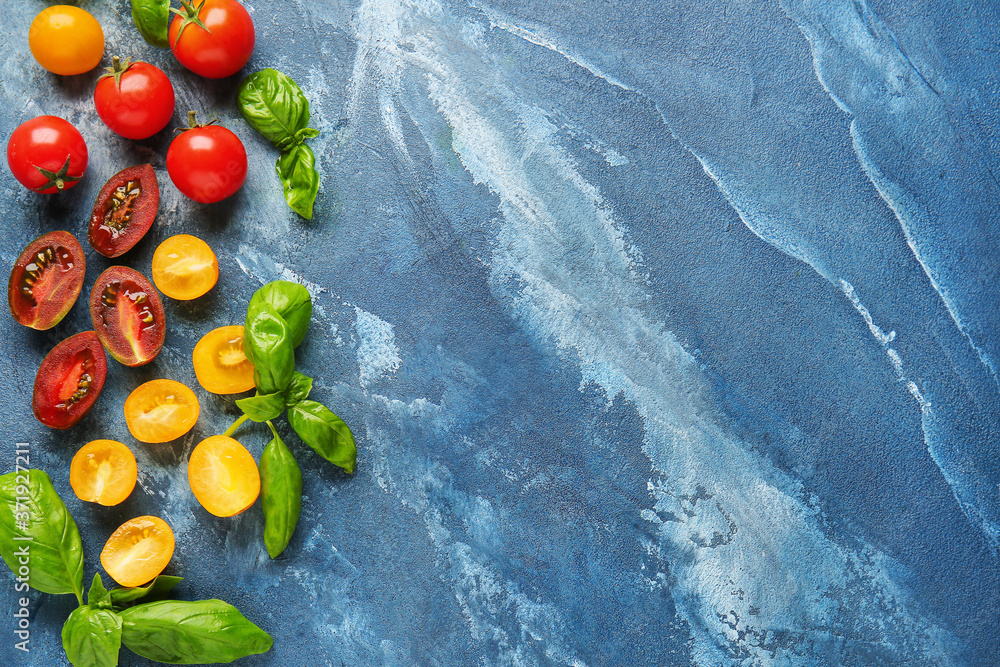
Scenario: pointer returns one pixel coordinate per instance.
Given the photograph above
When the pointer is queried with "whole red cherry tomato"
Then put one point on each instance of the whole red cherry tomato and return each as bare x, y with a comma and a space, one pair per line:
47, 154
135, 100
213, 38
207, 162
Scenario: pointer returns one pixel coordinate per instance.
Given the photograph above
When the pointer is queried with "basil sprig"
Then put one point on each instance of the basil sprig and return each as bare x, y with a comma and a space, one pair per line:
152, 18
39, 539
275, 106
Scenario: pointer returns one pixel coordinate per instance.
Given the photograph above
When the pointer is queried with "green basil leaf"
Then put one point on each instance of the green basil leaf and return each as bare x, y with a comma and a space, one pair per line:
39, 540
92, 637
296, 168
267, 342
292, 301
275, 106
152, 18
299, 389
98, 596
262, 407
325, 432
281, 495
187, 633
157, 589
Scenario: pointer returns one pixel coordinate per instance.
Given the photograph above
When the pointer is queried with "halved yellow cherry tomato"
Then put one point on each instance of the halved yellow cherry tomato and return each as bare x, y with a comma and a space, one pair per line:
103, 472
66, 40
184, 267
219, 362
160, 411
138, 551
223, 476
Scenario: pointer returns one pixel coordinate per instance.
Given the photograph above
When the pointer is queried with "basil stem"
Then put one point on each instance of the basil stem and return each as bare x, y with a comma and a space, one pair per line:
92, 637
157, 589
281, 494
275, 106
187, 633
299, 389
292, 301
39, 540
325, 432
262, 407
267, 343
152, 18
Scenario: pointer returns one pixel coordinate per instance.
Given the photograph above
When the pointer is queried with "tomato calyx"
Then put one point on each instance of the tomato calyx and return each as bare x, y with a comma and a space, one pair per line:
189, 13
56, 179
193, 123
116, 70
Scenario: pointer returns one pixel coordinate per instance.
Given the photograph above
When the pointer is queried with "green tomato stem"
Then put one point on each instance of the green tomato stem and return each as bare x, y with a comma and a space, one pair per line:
236, 424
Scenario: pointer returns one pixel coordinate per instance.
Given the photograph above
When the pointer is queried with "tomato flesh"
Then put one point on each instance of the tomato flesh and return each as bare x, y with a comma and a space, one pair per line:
47, 154
124, 211
138, 551
161, 411
135, 100
220, 363
46, 280
69, 380
103, 472
184, 267
207, 163
219, 49
66, 40
223, 476
127, 315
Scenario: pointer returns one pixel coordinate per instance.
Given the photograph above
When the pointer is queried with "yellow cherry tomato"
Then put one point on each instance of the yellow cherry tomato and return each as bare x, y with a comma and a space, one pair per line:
184, 267
103, 472
223, 476
66, 40
219, 362
138, 551
160, 411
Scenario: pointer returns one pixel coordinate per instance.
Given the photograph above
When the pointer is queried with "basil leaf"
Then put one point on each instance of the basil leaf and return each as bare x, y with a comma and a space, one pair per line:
157, 589
275, 106
325, 432
92, 637
267, 343
187, 633
152, 18
296, 168
298, 390
39, 540
281, 494
292, 301
98, 596
262, 407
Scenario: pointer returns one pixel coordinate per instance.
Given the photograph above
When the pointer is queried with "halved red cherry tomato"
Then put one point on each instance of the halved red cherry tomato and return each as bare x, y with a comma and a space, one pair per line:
103, 472
124, 211
223, 476
207, 162
184, 267
69, 380
66, 40
47, 154
134, 99
46, 279
138, 551
161, 411
213, 38
219, 362
128, 315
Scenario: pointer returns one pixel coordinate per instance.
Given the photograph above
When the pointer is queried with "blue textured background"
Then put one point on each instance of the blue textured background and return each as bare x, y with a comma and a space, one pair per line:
667, 332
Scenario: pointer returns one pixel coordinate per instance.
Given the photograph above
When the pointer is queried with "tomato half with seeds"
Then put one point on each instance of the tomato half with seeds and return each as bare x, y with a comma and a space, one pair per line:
69, 381
46, 280
47, 154
161, 411
128, 315
220, 363
213, 38
184, 267
103, 472
223, 476
134, 99
124, 211
138, 551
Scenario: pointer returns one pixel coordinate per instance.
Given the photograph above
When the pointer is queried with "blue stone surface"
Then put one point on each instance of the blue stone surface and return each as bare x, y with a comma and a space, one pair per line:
668, 332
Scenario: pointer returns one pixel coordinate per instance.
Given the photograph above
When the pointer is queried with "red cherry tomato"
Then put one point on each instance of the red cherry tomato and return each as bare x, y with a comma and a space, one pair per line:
135, 100
207, 163
213, 38
47, 154
69, 380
